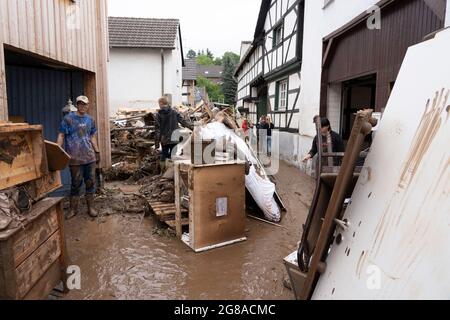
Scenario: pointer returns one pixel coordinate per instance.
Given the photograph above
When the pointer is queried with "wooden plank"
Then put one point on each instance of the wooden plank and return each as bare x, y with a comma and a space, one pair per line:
178, 222
63, 31
34, 235
58, 42
38, 189
30, 13
63, 259
57, 158
32, 269
3, 97
39, 209
4, 28
24, 159
102, 83
162, 206
8, 289
45, 31
172, 223
13, 20
46, 283
22, 22
39, 37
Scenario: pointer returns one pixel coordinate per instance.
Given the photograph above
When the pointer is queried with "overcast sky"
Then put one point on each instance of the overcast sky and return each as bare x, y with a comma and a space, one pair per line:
219, 25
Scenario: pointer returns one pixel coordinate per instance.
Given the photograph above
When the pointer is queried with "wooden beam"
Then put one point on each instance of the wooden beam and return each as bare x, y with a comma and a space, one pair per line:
102, 84
3, 98
327, 52
178, 221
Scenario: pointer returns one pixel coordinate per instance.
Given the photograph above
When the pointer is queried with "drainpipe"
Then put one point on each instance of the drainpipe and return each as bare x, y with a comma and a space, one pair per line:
162, 72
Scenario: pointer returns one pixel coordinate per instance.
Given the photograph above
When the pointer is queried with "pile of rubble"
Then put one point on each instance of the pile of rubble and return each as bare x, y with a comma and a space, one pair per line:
15, 204
113, 201
133, 151
158, 189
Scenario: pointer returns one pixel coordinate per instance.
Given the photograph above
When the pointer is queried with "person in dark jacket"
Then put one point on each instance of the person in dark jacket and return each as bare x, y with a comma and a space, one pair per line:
166, 124
337, 143
265, 128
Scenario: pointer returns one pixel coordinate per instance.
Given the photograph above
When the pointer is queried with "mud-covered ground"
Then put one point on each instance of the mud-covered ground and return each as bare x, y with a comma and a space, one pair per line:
127, 256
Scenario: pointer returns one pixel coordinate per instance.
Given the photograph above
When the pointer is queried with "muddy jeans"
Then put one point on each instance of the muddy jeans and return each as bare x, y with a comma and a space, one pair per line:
82, 173
167, 151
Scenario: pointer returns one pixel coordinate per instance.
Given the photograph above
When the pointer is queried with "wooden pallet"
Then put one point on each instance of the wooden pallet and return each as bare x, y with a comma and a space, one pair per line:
171, 223
165, 212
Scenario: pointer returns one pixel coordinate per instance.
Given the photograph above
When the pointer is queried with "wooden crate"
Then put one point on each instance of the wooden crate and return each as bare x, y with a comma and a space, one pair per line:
42, 187
216, 204
33, 257
23, 157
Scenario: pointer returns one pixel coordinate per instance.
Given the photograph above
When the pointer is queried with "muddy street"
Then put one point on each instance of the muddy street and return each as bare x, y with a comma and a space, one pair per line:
126, 256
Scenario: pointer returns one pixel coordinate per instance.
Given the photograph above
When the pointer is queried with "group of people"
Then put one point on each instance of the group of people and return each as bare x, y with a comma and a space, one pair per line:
264, 131
78, 133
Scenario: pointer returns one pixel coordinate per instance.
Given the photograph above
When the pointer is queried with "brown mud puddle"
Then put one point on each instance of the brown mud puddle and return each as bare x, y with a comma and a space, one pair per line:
126, 256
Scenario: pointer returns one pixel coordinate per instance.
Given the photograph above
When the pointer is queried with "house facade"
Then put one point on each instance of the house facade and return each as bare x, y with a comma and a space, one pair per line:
191, 71
347, 56
146, 61
269, 72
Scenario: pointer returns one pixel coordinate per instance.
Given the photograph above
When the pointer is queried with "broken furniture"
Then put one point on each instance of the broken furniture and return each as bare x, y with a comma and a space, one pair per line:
33, 255
327, 208
40, 188
57, 158
32, 248
216, 196
23, 156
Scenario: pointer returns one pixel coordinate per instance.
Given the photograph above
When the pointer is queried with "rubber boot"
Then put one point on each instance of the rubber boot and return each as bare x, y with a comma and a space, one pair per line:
73, 211
90, 206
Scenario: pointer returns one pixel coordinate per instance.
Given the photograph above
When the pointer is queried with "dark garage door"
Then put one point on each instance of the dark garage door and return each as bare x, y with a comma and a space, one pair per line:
39, 94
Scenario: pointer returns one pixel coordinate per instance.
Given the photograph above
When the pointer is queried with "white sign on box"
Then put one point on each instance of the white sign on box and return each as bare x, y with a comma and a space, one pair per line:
222, 207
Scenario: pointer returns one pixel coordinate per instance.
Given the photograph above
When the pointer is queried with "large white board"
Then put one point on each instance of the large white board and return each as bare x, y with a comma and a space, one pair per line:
398, 243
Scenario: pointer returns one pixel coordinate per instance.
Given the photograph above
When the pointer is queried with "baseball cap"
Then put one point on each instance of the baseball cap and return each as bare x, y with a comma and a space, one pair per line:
83, 99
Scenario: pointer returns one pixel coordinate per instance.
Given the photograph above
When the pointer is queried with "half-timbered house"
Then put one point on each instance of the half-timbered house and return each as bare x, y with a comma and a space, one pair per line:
269, 71
329, 57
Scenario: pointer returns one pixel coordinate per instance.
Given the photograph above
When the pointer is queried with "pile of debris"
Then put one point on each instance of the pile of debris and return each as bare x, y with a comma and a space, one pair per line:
133, 151
10, 211
113, 201
158, 189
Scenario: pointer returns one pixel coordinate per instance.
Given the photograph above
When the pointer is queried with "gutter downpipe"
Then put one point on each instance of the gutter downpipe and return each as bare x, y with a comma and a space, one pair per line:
162, 72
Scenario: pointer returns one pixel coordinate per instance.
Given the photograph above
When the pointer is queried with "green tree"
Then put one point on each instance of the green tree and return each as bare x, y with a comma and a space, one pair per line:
191, 54
204, 60
229, 86
218, 61
214, 90
209, 54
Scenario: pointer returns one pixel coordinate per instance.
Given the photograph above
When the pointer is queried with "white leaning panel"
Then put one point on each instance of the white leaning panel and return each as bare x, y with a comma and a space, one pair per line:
397, 246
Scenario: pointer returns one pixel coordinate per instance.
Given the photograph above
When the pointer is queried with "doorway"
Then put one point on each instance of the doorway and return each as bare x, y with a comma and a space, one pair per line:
262, 102
37, 92
357, 94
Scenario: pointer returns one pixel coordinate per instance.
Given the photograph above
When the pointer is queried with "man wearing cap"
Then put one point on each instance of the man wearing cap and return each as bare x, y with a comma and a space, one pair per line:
78, 133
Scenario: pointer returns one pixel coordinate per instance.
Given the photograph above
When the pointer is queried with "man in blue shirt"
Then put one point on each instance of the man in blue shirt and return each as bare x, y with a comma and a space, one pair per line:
78, 134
